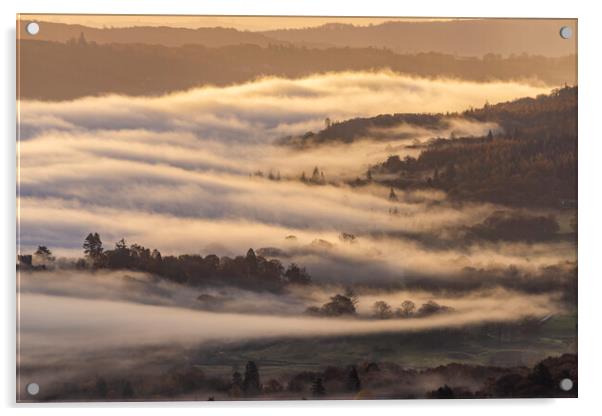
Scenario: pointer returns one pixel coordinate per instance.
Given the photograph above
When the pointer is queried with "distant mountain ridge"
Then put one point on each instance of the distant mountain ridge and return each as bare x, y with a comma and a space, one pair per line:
150, 35
487, 36
59, 71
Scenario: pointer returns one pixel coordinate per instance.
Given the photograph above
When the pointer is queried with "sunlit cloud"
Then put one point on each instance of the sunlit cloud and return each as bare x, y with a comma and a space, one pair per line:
261, 110
173, 172
77, 315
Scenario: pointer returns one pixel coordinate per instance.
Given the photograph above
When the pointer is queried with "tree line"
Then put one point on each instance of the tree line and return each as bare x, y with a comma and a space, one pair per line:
346, 305
249, 271
356, 380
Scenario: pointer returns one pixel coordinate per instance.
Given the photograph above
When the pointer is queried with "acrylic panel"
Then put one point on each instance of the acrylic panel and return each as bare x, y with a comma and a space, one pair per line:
288, 208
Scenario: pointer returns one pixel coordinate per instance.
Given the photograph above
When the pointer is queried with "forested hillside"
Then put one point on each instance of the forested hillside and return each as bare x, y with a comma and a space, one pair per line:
532, 162
531, 159
60, 71
350, 130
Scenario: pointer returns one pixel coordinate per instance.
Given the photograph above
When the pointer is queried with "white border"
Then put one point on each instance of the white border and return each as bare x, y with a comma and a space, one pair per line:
590, 143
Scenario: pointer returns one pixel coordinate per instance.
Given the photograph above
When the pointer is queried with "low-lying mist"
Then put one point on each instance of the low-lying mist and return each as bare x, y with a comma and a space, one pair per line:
172, 172
78, 328
65, 311
203, 172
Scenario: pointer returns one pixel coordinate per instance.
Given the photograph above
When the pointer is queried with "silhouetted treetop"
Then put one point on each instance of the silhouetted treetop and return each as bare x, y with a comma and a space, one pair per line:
250, 271
251, 383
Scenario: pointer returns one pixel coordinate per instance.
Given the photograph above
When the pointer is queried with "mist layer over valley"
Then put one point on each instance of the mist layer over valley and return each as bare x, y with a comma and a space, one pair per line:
73, 323
241, 223
187, 157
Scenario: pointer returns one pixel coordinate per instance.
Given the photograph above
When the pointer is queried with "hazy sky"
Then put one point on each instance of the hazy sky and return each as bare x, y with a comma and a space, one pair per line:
474, 37
252, 23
